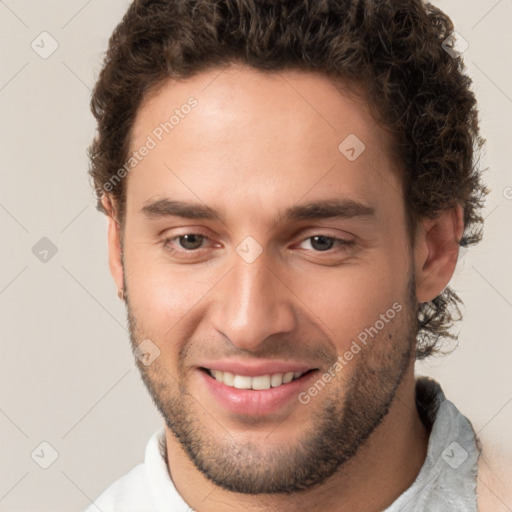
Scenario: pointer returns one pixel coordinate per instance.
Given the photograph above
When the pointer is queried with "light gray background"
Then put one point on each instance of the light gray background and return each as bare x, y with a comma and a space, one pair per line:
67, 375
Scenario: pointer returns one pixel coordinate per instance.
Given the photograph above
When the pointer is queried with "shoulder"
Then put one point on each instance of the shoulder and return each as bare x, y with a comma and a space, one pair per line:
128, 494
494, 482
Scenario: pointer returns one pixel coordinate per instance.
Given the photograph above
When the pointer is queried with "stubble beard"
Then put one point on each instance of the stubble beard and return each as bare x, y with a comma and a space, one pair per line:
334, 436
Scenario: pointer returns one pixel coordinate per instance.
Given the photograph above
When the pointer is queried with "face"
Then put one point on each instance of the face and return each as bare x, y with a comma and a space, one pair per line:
263, 242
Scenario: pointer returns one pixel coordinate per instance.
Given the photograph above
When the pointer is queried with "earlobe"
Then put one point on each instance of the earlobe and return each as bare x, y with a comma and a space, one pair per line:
114, 243
436, 252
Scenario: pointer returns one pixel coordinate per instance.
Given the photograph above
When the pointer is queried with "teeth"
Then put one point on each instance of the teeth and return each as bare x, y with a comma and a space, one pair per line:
261, 382
228, 378
288, 377
276, 380
241, 382
257, 383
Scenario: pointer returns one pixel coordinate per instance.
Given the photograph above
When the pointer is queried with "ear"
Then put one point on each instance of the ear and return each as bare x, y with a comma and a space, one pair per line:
115, 257
436, 251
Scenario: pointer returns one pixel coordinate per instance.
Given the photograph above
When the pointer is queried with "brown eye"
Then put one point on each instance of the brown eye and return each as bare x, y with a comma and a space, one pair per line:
322, 243
191, 242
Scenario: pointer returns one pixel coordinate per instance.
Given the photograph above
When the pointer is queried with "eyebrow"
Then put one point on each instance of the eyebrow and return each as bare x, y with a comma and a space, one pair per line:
328, 209
169, 208
322, 209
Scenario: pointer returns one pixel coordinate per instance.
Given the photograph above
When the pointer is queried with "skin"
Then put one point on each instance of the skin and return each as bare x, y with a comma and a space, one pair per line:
255, 145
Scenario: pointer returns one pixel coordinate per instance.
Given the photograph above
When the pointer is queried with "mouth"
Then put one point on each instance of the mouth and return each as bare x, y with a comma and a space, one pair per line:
257, 382
264, 393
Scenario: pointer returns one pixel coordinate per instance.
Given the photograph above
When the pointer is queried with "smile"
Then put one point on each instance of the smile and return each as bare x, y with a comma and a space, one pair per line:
257, 383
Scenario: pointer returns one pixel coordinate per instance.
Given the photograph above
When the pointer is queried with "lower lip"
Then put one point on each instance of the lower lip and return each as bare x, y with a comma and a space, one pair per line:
255, 402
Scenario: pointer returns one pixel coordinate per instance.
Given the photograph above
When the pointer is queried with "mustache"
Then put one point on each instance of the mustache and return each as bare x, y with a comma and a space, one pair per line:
315, 350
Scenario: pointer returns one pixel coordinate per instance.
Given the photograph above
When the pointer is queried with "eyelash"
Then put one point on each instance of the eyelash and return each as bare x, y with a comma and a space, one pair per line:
343, 245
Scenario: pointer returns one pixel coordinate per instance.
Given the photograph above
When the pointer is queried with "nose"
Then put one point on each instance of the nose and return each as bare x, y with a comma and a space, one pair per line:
253, 304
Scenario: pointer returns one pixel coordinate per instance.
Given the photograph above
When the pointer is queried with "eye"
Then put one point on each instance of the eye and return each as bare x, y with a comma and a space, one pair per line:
191, 242
322, 243
184, 243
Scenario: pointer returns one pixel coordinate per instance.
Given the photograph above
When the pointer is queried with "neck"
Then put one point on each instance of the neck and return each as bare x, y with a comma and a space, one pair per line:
382, 469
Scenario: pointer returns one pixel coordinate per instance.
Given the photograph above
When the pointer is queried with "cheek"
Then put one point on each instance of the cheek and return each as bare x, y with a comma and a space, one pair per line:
162, 294
350, 299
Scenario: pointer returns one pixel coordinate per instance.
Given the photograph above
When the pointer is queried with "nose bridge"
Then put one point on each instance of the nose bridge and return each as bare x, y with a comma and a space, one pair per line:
253, 305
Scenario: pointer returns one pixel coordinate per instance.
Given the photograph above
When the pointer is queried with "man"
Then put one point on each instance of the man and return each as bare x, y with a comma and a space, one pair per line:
288, 184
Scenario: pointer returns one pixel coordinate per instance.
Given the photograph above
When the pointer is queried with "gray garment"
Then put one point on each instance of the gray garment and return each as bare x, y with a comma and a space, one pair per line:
447, 479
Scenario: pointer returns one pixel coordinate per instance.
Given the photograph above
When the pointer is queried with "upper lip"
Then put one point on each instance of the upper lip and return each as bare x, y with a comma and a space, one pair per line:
256, 368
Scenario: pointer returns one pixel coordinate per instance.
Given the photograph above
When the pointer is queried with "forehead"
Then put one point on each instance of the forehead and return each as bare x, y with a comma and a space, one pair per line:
283, 136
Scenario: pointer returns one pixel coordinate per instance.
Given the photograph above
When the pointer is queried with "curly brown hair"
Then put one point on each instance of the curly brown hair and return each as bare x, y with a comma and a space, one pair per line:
391, 50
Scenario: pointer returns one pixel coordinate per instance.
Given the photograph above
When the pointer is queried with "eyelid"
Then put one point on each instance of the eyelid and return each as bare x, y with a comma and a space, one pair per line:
312, 232
340, 244
172, 239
